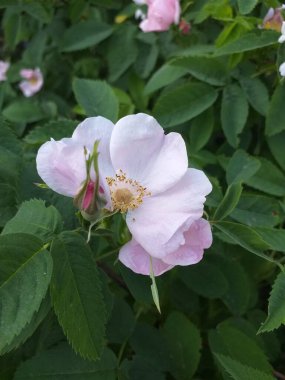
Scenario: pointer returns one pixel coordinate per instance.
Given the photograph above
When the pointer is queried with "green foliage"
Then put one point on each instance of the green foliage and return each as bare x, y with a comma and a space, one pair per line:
183, 103
26, 265
62, 362
184, 342
234, 112
96, 98
276, 312
76, 295
69, 310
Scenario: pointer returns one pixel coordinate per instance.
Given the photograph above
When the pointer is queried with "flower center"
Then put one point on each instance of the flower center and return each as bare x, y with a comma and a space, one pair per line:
126, 194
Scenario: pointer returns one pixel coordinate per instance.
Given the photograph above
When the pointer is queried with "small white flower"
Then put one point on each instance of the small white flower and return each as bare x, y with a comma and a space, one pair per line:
282, 37
282, 69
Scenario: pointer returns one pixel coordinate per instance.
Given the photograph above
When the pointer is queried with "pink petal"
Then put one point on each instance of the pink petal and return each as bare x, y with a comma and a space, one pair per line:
61, 165
197, 238
161, 14
133, 256
27, 73
158, 224
141, 150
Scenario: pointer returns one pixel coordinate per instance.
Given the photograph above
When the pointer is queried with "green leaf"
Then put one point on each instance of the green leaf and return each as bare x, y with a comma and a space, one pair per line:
183, 103
138, 285
236, 295
201, 130
62, 363
164, 76
241, 167
256, 93
123, 317
77, 296
24, 111
35, 218
30, 328
85, 34
229, 202
268, 179
240, 371
206, 69
246, 6
96, 97
205, 279
275, 119
230, 341
26, 268
276, 145
274, 237
276, 306
246, 237
257, 210
234, 113
56, 129
249, 41
184, 344
122, 51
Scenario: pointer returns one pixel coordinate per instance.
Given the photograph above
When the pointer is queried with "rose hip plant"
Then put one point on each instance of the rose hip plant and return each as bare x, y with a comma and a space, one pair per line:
142, 196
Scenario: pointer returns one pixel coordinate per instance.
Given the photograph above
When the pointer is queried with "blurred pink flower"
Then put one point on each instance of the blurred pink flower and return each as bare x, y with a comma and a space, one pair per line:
184, 26
4, 66
282, 69
143, 173
160, 15
273, 19
33, 81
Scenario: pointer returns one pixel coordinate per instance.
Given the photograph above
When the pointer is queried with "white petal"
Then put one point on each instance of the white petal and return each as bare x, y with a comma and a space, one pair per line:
141, 150
158, 224
61, 164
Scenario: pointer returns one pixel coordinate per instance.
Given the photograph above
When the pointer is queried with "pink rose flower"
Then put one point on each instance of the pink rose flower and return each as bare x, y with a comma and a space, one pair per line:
33, 81
143, 173
160, 15
273, 19
4, 66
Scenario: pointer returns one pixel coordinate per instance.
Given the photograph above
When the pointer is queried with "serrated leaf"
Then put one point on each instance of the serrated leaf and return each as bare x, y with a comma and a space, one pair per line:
25, 111
35, 218
96, 97
246, 6
234, 112
249, 41
54, 129
275, 119
229, 202
274, 237
25, 273
183, 103
256, 93
62, 363
164, 76
85, 34
184, 345
206, 69
76, 295
240, 371
241, 167
276, 306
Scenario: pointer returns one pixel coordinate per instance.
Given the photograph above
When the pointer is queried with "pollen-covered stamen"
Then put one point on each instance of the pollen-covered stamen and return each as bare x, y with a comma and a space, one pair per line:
126, 194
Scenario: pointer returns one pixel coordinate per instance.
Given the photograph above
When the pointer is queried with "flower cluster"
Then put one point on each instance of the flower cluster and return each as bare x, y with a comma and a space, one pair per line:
140, 172
32, 79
